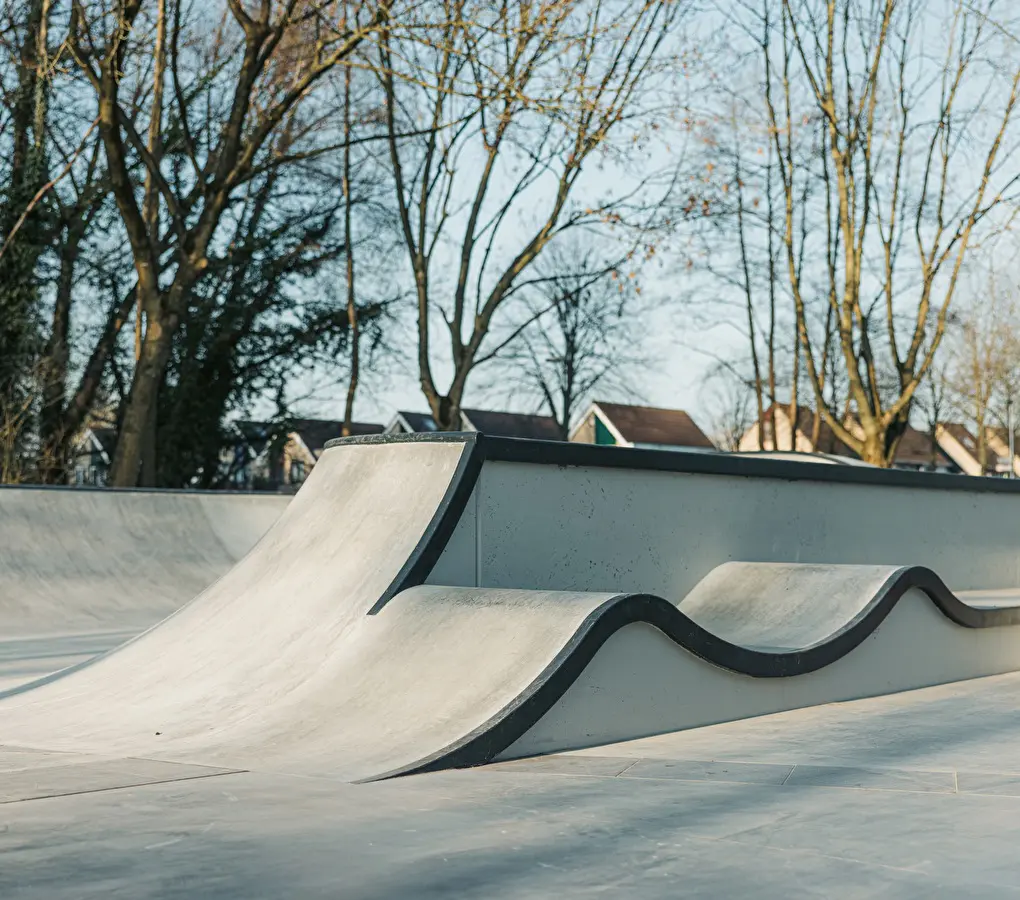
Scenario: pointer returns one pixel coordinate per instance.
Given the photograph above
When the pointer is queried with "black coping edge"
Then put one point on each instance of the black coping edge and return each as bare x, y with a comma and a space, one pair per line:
494, 736
569, 454
440, 529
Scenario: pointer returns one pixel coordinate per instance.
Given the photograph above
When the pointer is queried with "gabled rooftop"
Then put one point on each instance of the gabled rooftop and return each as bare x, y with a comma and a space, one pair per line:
650, 425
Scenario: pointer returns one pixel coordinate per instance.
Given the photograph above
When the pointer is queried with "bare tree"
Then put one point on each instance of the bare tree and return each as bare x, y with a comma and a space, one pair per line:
353, 325
22, 226
916, 159
283, 50
933, 402
518, 97
983, 365
731, 401
584, 334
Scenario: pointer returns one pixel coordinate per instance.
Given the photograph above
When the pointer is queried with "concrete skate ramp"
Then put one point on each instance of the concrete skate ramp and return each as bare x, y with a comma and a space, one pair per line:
84, 560
82, 570
324, 650
261, 652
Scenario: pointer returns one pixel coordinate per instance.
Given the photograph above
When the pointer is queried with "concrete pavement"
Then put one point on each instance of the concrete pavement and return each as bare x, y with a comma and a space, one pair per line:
911, 796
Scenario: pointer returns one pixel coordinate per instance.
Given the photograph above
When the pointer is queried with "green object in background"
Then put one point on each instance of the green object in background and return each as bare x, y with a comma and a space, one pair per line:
602, 434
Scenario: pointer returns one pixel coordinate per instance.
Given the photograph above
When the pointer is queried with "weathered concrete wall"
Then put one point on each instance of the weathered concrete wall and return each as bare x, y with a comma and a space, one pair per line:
550, 527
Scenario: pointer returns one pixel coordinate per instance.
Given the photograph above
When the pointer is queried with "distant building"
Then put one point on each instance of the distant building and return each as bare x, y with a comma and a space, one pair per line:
915, 452
960, 444
92, 455
500, 424
275, 456
623, 425
916, 449
306, 439
799, 437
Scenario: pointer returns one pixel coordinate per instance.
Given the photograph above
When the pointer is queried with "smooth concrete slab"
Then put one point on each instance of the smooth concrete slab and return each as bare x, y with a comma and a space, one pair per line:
1000, 784
560, 764
701, 770
548, 827
13, 759
873, 779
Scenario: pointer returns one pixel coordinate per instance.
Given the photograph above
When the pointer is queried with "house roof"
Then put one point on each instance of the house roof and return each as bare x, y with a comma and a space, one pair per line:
999, 434
827, 440
256, 435
417, 422
499, 424
519, 425
962, 435
915, 450
315, 432
107, 440
652, 425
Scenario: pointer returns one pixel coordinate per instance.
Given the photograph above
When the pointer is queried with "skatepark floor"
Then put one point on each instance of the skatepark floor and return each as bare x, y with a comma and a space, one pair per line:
909, 795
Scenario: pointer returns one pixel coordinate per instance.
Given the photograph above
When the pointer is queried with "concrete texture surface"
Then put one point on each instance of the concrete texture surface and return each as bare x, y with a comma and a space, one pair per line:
82, 571
87, 561
911, 796
261, 667
616, 529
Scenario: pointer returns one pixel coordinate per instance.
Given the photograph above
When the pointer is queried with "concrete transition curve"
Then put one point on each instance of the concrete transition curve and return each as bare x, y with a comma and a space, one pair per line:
83, 570
447, 601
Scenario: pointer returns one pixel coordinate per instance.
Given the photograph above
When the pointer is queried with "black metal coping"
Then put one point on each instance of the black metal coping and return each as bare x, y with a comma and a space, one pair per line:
568, 454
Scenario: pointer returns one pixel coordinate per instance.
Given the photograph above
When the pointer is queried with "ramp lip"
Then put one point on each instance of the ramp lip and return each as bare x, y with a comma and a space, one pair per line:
486, 741
441, 526
704, 462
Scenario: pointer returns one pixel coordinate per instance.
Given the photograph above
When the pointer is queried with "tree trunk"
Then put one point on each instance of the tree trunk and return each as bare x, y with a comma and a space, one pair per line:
27, 173
352, 308
446, 412
874, 451
54, 441
136, 429
147, 474
794, 398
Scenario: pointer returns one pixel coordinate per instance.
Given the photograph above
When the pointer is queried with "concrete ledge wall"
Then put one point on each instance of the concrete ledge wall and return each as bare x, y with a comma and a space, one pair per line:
600, 528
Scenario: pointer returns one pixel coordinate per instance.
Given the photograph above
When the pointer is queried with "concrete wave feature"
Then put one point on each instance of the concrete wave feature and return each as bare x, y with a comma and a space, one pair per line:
856, 600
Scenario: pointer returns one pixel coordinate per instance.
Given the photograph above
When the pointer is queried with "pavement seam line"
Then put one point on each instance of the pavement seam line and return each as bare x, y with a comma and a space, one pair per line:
628, 767
122, 787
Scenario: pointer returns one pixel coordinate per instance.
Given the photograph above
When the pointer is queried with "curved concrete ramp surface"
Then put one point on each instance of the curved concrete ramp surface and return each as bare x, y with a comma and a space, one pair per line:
323, 651
84, 570
261, 652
